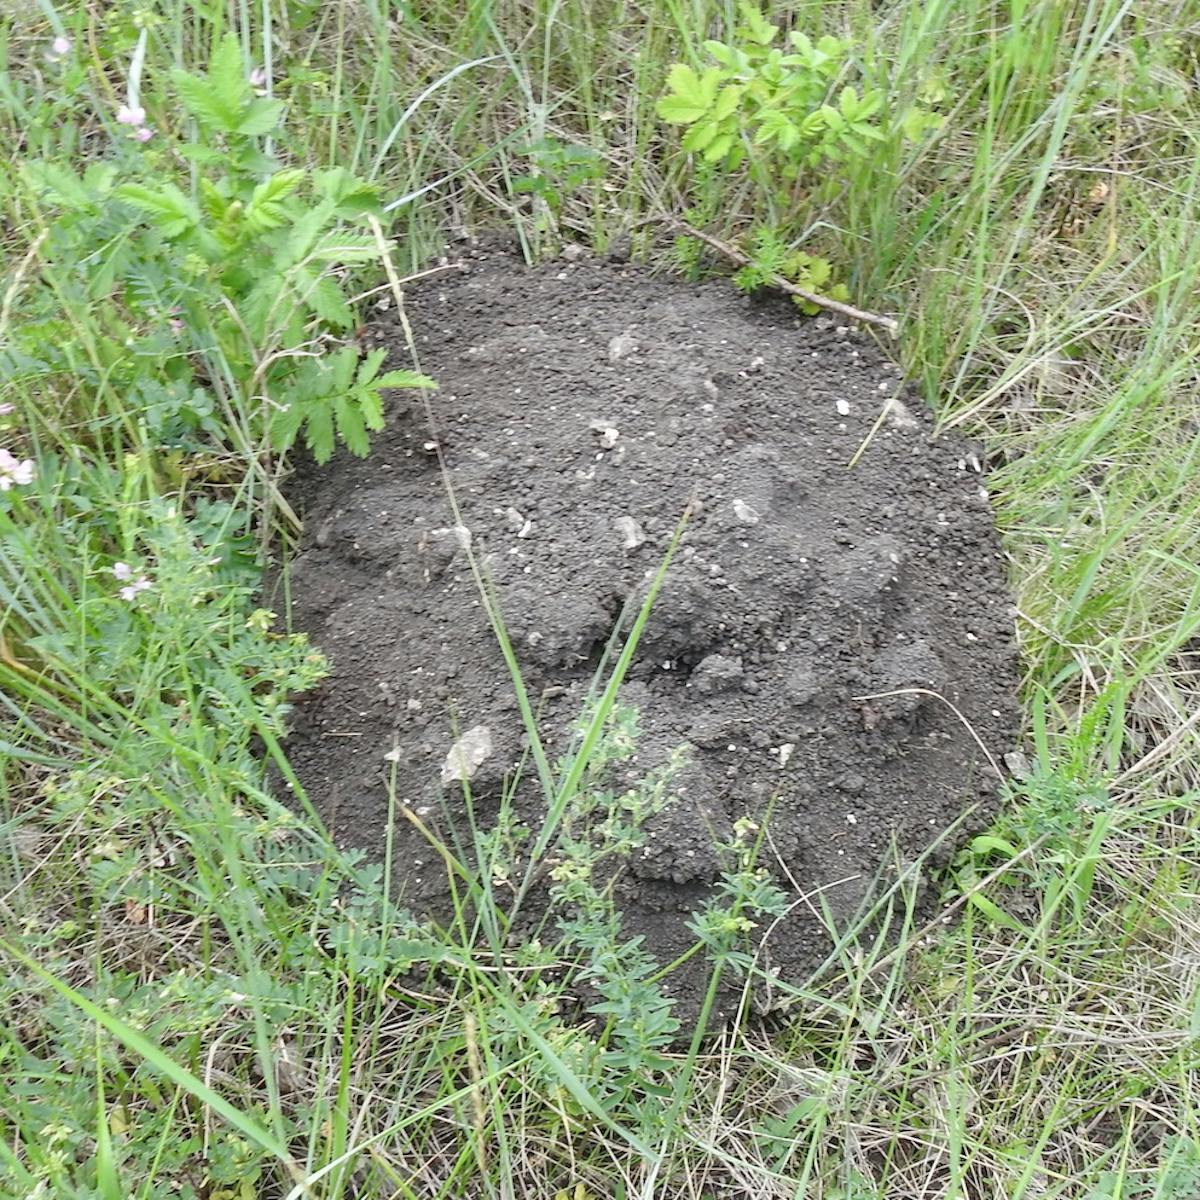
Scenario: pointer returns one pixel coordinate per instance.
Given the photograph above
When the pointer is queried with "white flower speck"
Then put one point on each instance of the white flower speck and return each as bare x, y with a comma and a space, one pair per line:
14, 472
130, 591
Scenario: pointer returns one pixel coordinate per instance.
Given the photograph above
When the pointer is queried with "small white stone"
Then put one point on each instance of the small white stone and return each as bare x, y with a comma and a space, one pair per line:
745, 513
467, 755
609, 434
899, 416
631, 532
623, 345
843, 408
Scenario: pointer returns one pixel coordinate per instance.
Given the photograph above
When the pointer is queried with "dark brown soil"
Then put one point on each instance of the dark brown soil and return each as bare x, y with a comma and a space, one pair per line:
581, 406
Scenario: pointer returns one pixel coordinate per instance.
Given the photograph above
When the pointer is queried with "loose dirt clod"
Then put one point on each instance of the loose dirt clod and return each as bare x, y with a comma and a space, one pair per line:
800, 587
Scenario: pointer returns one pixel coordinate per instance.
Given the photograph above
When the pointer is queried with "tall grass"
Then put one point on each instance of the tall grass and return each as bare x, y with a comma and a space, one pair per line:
204, 997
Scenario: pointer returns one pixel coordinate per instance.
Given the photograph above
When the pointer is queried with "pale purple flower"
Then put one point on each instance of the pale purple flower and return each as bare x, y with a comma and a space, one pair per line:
135, 115
5, 409
58, 48
14, 472
130, 591
258, 77
122, 572
144, 134
175, 325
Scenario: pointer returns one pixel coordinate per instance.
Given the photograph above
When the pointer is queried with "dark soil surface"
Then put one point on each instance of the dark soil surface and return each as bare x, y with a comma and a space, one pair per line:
582, 405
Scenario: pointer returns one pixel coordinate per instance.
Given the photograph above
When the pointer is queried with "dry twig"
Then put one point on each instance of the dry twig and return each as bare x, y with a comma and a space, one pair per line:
785, 285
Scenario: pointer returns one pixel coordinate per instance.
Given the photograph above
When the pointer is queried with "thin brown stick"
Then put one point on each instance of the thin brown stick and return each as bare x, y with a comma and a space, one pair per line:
785, 285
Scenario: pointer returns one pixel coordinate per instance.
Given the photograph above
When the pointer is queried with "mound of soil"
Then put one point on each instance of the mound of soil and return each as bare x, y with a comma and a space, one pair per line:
582, 406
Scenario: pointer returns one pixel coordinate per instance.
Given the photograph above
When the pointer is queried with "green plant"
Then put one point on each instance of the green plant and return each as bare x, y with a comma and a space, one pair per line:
771, 258
219, 298
770, 106
556, 171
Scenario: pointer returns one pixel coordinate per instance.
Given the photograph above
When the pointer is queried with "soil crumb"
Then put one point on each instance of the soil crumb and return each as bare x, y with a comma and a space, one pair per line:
825, 635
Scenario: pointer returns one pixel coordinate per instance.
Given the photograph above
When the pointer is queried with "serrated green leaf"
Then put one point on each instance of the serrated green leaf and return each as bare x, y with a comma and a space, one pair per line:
304, 233
686, 85
212, 202
260, 117
339, 246
369, 367
757, 27
351, 427
63, 186
285, 425
341, 366
266, 209
848, 103
279, 185
719, 147
870, 103
725, 55
204, 156
329, 303
99, 177
318, 430
371, 405
727, 102
172, 211
690, 95
675, 111
772, 125
201, 100
699, 136
802, 42
227, 74
404, 379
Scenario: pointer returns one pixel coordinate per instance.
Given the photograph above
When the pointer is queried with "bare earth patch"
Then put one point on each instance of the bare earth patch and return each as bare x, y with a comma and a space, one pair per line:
582, 405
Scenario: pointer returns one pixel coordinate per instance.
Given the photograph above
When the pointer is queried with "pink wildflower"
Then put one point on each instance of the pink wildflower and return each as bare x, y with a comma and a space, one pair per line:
144, 134
122, 572
258, 77
175, 325
130, 591
58, 48
13, 471
5, 409
135, 116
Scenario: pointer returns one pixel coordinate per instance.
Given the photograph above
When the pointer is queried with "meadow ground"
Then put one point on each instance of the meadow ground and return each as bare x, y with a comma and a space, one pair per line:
202, 997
